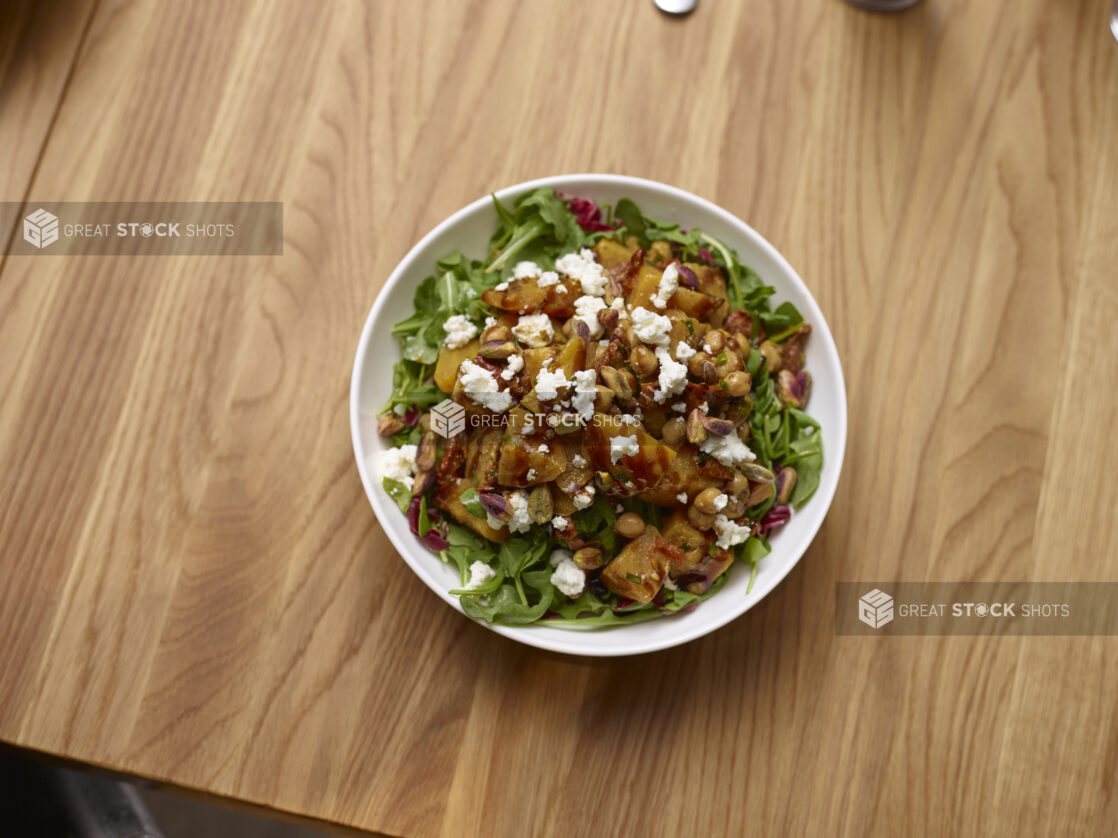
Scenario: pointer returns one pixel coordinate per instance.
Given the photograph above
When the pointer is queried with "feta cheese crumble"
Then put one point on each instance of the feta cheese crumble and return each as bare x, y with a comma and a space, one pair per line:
672, 378
623, 446
523, 270
669, 284
479, 384
550, 278
728, 450
586, 390
549, 383
683, 351
618, 305
569, 578
531, 475
398, 464
585, 268
560, 555
651, 327
515, 365
584, 498
720, 502
519, 520
578, 461
480, 573
559, 522
729, 533
586, 310
534, 330
680, 407
543, 449
459, 331
681, 497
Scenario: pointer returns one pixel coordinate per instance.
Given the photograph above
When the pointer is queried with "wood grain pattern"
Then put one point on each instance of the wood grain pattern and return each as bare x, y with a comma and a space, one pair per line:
194, 589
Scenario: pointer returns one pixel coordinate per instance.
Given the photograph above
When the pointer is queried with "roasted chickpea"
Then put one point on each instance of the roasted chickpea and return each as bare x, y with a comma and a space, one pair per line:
699, 520
695, 364
643, 361
737, 383
707, 501
731, 362
773, 358
629, 525
674, 431
715, 342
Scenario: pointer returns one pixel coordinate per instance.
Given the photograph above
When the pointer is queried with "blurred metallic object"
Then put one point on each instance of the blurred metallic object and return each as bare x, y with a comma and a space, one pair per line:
676, 7
1114, 20
883, 5
98, 807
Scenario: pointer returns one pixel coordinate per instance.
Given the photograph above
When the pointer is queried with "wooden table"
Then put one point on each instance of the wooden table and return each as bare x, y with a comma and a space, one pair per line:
193, 588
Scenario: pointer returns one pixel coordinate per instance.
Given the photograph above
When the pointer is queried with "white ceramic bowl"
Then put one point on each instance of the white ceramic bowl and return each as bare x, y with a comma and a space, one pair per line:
468, 230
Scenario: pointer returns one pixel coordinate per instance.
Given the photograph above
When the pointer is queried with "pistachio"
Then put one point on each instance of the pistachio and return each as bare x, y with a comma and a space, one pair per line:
582, 330
773, 357
761, 493
696, 429
616, 382
495, 505
497, 350
709, 372
588, 558
738, 411
630, 379
603, 480
793, 388
608, 317
716, 426
496, 332
540, 506
785, 483
425, 455
757, 473
424, 483
390, 424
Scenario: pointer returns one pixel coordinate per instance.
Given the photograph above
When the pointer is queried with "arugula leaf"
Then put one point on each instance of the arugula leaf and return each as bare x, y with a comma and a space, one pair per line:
472, 501
508, 606
632, 222
398, 492
539, 221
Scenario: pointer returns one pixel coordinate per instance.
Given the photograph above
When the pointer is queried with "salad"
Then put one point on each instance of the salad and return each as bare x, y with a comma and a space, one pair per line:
599, 421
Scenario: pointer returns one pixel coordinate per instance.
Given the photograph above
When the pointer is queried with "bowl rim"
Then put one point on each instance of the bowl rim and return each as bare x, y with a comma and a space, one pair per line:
529, 634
